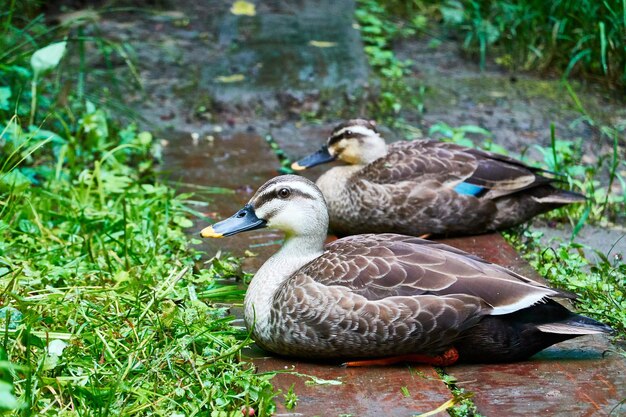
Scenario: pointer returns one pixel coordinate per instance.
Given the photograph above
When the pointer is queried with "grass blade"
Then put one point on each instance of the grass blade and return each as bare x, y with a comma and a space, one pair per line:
603, 47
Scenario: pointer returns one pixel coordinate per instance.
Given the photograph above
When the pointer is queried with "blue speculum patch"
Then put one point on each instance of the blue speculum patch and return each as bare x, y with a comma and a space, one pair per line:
468, 189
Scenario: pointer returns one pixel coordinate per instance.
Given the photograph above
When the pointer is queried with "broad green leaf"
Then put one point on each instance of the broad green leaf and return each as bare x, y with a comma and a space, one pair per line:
115, 184
17, 69
149, 188
453, 13
145, 138
13, 180
50, 362
8, 401
475, 129
183, 221
5, 95
46, 134
47, 58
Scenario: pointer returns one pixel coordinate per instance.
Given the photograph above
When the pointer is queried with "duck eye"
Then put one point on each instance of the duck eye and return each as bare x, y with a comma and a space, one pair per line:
348, 133
284, 192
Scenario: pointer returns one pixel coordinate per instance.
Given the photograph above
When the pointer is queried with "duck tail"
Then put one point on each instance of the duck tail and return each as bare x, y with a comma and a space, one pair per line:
553, 195
521, 334
574, 325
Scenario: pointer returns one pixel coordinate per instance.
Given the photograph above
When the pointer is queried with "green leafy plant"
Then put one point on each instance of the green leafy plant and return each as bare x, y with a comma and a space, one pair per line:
584, 37
378, 31
97, 259
463, 406
106, 307
35, 80
42, 61
291, 399
599, 285
463, 135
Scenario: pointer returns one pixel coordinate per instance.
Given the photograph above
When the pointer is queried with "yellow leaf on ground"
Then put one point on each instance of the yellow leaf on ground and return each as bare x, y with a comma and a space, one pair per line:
442, 408
243, 8
235, 78
322, 44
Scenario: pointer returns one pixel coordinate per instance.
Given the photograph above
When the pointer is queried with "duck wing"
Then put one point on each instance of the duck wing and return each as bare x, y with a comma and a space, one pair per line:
419, 161
503, 175
493, 175
388, 265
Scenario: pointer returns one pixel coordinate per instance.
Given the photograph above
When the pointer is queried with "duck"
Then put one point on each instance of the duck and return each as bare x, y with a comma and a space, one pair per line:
381, 296
426, 187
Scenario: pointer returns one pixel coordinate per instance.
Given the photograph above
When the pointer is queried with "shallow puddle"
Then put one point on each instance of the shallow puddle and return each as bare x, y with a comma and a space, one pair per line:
223, 171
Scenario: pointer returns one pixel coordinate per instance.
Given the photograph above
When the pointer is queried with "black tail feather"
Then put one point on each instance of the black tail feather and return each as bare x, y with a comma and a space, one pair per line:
517, 336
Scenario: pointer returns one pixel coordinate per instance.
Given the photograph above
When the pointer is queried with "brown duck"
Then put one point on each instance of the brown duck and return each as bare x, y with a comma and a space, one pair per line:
373, 296
426, 187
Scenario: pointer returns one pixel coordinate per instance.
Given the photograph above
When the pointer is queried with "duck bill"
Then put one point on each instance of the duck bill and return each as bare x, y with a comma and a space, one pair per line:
320, 157
242, 221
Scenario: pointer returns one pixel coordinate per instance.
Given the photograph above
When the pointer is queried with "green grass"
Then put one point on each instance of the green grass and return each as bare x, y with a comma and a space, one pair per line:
106, 306
583, 38
98, 262
463, 404
600, 285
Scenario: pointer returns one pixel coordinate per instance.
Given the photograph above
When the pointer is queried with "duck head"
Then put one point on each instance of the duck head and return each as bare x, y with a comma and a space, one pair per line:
288, 202
355, 142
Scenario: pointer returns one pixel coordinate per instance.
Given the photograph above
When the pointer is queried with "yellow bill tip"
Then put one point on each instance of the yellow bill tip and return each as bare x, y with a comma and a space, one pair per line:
209, 232
297, 167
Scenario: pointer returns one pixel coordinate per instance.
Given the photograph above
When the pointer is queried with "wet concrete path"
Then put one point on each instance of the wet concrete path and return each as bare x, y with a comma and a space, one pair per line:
216, 83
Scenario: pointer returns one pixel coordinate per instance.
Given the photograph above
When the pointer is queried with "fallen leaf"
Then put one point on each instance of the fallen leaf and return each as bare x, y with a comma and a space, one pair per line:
243, 8
443, 407
322, 44
235, 78
313, 380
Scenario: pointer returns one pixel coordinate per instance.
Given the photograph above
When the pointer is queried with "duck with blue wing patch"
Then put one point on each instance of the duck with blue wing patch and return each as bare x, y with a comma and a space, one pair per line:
426, 187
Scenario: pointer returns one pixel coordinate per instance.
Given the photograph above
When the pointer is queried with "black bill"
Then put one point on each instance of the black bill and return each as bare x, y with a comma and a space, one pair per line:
244, 220
320, 157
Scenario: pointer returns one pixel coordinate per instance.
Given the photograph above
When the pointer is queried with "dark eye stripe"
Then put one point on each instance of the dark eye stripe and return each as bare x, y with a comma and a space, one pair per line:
268, 196
344, 135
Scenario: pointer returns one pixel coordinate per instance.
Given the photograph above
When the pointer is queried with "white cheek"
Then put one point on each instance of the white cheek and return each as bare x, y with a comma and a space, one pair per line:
288, 220
296, 217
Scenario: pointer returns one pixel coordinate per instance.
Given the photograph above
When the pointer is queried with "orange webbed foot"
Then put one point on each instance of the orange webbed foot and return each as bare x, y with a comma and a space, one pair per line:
447, 358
